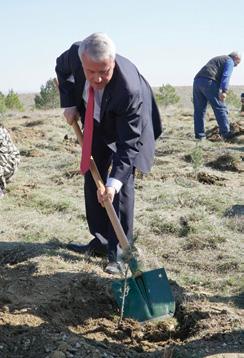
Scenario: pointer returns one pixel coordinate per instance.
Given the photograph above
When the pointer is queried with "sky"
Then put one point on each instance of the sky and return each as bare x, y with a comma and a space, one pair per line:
169, 41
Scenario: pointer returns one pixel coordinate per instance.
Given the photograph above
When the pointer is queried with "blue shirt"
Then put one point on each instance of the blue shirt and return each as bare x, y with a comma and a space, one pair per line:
228, 68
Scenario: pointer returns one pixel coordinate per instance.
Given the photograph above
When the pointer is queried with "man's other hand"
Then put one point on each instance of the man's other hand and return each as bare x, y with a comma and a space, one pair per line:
222, 96
71, 114
107, 194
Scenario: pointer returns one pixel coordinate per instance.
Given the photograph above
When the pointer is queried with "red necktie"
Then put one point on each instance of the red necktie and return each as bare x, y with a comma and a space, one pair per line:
88, 130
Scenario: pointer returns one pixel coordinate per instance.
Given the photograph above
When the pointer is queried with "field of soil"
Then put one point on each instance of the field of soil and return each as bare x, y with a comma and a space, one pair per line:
188, 219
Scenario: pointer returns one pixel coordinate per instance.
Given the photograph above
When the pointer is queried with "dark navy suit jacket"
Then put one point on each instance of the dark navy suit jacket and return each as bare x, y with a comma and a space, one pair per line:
129, 118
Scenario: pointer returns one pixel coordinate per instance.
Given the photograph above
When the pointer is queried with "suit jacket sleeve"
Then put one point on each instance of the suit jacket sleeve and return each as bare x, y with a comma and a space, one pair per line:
64, 71
128, 133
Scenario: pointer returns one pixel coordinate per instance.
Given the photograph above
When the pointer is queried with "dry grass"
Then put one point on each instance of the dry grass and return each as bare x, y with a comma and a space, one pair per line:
184, 217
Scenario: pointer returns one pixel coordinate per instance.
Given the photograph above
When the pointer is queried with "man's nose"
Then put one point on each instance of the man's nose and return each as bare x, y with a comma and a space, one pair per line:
97, 78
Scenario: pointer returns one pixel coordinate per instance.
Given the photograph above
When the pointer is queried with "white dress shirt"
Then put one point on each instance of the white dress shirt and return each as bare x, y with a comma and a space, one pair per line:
98, 94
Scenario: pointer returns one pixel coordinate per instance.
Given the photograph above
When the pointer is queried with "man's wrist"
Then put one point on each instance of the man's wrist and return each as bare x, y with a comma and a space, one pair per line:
115, 183
71, 107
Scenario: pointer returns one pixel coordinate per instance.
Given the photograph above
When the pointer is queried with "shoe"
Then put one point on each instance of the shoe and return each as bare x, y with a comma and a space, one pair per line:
228, 137
80, 248
114, 268
93, 248
200, 139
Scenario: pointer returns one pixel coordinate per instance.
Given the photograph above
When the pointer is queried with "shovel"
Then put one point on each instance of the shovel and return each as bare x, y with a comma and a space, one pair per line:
149, 295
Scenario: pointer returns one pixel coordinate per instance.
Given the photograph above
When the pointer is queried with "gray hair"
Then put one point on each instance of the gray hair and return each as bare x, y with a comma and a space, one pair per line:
235, 54
98, 47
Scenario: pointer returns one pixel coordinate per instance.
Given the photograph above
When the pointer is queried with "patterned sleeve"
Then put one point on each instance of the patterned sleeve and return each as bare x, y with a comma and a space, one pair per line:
9, 157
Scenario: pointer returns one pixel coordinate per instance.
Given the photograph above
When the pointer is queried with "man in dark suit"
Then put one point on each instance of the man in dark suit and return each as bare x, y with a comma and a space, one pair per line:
126, 124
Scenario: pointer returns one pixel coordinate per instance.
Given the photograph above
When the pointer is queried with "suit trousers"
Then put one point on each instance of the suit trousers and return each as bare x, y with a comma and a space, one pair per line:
97, 218
206, 91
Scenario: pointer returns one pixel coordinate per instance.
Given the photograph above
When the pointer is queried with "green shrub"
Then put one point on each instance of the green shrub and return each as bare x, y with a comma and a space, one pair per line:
48, 97
2, 103
12, 101
197, 158
167, 95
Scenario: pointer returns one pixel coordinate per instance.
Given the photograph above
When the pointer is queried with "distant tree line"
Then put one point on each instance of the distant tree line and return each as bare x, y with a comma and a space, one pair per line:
48, 98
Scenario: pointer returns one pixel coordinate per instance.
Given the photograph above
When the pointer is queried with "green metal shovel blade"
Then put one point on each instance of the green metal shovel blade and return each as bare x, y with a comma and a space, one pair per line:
148, 297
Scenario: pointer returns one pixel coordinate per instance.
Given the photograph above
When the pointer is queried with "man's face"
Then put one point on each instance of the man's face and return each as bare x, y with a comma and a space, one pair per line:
237, 60
98, 74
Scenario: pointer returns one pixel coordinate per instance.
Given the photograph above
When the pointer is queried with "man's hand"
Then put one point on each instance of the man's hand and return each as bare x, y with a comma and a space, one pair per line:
107, 194
222, 96
71, 114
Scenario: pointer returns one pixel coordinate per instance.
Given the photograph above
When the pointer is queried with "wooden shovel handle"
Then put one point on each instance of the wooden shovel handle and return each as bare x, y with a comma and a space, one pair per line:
107, 204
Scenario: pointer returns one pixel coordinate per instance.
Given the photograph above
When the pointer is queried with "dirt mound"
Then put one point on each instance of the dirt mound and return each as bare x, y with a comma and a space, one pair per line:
63, 314
23, 134
211, 179
31, 123
31, 153
227, 161
236, 128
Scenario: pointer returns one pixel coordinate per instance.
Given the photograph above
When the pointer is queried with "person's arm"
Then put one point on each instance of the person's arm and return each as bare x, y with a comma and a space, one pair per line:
224, 84
128, 127
66, 84
128, 132
66, 87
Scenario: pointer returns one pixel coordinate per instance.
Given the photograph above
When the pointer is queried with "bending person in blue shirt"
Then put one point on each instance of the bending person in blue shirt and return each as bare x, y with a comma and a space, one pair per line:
211, 85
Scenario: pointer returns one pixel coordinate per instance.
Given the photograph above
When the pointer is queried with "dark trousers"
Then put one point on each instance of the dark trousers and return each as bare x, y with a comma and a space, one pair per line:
97, 218
204, 91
